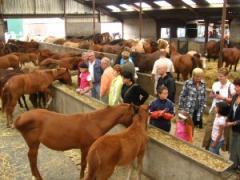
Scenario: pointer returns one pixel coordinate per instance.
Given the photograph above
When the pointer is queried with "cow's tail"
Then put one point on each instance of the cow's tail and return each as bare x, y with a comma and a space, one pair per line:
94, 161
6, 98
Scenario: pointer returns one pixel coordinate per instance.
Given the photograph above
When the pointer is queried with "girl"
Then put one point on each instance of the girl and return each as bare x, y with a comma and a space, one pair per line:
184, 127
85, 82
162, 110
116, 86
217, 137
132, 92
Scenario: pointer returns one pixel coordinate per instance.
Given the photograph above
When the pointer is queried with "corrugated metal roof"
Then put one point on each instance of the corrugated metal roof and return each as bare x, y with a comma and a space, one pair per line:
44, 7
72, 7
49, 7
18, 6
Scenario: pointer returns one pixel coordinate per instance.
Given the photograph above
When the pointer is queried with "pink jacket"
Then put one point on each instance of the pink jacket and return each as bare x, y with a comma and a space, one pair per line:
182, 132
83, 80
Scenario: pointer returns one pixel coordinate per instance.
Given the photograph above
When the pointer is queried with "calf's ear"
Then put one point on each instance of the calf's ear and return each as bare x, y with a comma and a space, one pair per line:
135, 108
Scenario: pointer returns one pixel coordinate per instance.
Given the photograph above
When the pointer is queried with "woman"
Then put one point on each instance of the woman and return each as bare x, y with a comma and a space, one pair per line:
159, 108
116, 86
132, 92
222, 91
193, 97
234, 121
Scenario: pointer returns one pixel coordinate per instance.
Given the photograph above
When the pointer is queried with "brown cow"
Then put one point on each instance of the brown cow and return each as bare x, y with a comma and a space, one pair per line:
231, 57
9, 60
184, 63
27, 57
114, 49
145, 61
213, 49
120, 149
67, 62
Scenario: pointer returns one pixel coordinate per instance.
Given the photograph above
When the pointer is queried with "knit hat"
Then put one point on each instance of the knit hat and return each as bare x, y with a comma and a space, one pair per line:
117, 68
83, 65
182, 115
126, 53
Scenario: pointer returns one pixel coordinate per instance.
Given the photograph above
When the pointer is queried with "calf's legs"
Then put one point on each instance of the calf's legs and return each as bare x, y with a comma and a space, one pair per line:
32, 156
83, 161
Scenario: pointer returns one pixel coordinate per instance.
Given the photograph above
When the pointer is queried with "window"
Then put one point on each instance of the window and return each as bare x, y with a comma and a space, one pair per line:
200, 30
165, 33
181, 32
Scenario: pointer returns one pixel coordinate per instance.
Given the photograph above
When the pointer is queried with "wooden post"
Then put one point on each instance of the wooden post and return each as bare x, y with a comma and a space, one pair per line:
2, 24
122, 29
140, 21
222, 33
157, 29
94, 27
65, 18
34, 7
206, 35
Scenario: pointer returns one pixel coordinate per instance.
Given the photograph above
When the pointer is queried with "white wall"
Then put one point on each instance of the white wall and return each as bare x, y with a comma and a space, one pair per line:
131, 29
234, 31
112, 27
81, 27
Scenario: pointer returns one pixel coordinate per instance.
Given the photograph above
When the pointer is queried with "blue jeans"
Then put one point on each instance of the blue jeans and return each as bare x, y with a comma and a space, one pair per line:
235, 149
96, 90
216, 149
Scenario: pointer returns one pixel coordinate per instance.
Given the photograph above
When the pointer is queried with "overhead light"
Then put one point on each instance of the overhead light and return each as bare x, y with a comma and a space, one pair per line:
163, 4
113, 8
144, 5
215, 1
127, 7
189, 2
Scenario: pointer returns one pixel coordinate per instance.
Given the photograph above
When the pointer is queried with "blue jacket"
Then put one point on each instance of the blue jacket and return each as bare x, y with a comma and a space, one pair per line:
123, 62
159, 104
97, 71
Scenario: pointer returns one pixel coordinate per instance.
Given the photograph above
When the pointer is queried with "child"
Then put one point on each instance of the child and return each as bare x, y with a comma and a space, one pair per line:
217, 137
184, 127
85, 82
162, 110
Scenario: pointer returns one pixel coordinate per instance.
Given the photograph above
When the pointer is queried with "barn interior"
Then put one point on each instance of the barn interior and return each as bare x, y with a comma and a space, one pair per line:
158, 19
188, 23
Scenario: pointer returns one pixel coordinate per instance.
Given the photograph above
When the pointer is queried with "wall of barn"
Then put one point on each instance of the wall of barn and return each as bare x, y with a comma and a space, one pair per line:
2, 29
81, 26
234, 31
131, 29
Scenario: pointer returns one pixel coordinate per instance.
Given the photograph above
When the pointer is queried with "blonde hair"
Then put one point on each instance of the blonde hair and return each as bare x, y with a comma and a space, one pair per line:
223, 71
106, 60
197, 72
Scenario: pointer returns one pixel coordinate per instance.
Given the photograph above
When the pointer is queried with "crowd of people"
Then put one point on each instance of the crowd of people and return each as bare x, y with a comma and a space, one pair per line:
117, 84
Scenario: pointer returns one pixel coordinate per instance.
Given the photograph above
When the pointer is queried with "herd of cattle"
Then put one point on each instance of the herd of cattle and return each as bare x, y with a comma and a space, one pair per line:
145, 50
18, 78
15, 54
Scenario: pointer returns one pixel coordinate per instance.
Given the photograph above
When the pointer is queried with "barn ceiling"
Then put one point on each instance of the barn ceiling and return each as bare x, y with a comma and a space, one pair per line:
178, 9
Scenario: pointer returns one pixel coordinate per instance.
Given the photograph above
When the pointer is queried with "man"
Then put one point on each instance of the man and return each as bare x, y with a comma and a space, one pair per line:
95, 70
161, 60
125, 54
166, 80
127, 65
106, 79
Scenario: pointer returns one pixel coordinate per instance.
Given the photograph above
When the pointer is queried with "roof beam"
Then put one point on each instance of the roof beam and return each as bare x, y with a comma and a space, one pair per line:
190, 9
150, 2
100, 8
201, 2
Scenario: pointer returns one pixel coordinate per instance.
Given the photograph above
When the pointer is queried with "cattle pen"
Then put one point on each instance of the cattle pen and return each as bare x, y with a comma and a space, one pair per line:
120, 89
163, 149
